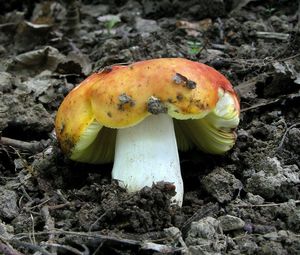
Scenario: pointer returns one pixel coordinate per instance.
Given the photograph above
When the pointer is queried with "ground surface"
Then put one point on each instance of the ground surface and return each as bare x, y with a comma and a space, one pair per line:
245, 202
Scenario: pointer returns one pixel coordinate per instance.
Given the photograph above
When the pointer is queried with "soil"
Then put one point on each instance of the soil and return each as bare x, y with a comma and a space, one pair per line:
244, 202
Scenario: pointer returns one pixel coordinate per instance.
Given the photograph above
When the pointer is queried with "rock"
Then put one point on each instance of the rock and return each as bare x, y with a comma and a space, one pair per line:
94, 10
221, 185
6, 81
249, 247
246, 50
272, 247
272, 179
273, 236
8, 203
293, 220
6, 231
146, 25
229, 222
263, 229
20, 111
204, 237
293, 140
205, 228
254, 199
199, 250
283, 233
263, 185
175, 234
246, 245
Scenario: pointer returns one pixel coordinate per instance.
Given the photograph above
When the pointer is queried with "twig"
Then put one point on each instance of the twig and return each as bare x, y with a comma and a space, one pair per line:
204, 211
220, 28
33, 235
49, 225
222, 46
272, 35
29, 246
68, 248
260, 105
59, 206
9, 24
40, 205
33, 146
290, 57
96, 221
6, 249
264, 205
61, 196
144, 245
285, 134
25, 193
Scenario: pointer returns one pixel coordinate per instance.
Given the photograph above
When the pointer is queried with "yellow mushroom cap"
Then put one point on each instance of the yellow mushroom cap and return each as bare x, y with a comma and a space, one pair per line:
196, 95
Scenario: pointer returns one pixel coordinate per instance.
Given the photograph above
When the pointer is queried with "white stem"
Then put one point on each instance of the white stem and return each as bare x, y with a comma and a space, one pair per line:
146, 154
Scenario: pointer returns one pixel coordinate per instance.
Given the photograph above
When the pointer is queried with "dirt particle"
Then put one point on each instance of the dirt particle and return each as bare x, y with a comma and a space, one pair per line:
62, 128
106, 69
125, 100
179, 96
180, 79
221, 185
8, 203
155, 106
109, 114
171, 101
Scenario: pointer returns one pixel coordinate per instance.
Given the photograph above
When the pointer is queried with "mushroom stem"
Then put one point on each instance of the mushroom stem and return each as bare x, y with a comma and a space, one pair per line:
147, 153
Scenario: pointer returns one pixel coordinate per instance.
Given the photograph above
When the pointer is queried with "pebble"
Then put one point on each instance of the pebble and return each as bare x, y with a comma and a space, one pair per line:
8, 203
229, 222
221, 185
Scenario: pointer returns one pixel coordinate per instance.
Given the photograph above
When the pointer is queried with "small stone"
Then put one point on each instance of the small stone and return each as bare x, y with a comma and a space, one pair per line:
294, 219
246, 245
294, 139
263, 229
180, 79
156, 106
205, 237
6, 81
271, 179
8, 203
254, 199
272, 247
283, 233
221, 185
229, 222
6, 231
125, 100
146, 25
248, 227
205, 228
174, 233
273, 236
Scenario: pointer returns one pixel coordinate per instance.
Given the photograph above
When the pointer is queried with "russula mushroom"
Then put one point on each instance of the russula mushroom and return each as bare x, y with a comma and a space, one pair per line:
140, 115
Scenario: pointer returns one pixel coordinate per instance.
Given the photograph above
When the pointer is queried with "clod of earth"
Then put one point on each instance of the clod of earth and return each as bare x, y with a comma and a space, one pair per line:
140, 115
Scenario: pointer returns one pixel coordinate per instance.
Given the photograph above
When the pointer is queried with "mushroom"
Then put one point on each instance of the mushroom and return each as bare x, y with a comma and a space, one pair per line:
140, 115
